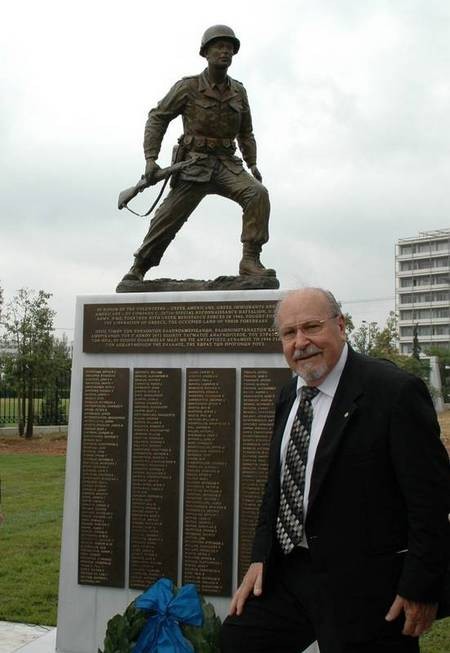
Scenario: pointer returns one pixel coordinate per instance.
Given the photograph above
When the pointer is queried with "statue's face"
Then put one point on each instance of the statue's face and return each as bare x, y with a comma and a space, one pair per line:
220, 53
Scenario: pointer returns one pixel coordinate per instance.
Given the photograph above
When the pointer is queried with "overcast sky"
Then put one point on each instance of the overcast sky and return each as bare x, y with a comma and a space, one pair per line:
351, 111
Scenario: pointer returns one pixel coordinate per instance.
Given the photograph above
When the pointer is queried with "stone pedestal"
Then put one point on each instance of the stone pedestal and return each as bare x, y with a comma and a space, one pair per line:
172, 402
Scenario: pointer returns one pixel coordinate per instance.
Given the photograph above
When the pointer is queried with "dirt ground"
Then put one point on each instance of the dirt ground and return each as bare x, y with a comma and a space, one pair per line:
50, 444
54, 444
444, 421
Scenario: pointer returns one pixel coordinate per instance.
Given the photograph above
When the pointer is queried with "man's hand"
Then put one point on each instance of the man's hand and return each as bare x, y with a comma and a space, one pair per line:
150, 167
256, 173
418, 616
252, 583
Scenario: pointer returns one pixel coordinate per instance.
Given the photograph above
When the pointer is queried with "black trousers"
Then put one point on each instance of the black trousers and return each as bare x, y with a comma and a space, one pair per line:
296, 609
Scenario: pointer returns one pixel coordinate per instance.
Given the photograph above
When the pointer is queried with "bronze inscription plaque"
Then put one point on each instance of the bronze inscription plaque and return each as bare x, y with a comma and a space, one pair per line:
180, 327
259, 390
103, 484
155, 476
209, 480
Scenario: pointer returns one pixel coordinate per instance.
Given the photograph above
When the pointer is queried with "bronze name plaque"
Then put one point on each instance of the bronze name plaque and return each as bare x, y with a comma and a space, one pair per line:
259, 390
155, 476
180, 327
209, 480
103, 483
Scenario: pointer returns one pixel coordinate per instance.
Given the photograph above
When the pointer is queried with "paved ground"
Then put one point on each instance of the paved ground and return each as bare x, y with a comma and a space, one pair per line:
26, 638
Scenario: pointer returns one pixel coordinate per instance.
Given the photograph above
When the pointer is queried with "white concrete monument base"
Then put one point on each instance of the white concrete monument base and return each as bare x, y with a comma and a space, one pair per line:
84, 610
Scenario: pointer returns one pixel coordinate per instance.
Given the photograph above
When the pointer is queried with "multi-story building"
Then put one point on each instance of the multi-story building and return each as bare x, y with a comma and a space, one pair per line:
423, 290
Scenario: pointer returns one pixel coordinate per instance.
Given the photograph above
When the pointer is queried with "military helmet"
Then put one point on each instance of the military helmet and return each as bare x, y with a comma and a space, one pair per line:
219, 32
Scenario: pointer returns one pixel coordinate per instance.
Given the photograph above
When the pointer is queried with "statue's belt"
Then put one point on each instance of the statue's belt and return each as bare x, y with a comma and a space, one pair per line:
193, 148
208, 144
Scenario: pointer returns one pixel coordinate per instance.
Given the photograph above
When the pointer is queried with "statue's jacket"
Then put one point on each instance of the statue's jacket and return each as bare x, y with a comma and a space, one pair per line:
212, 120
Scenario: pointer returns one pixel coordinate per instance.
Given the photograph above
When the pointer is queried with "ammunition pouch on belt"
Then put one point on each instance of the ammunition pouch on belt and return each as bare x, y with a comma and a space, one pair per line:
209, 145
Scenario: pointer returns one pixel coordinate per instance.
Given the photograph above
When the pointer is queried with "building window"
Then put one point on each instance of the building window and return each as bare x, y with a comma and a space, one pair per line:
440, 345
422, 297
441, 329
406, 250
441, 312
426, 280
425, 248
422, 314
424, 264
407, 298
441, 262
425, 344
421, 248
441, 245
440, 278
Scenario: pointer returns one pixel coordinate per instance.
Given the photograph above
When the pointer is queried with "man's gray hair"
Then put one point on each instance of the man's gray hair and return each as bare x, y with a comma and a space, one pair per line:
335, 306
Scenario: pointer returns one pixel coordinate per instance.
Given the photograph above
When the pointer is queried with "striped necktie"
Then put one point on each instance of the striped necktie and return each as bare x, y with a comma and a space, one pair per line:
290, 515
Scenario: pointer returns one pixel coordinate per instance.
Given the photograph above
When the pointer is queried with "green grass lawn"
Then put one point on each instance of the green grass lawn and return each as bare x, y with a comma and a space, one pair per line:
437, 640
30, 537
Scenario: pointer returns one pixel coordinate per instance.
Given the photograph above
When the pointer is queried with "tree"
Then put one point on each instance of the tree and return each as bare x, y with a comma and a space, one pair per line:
54, 384
28, 323
348, 320
416, 349
372, 341
385, 342
443, 353
363, 338
349, 326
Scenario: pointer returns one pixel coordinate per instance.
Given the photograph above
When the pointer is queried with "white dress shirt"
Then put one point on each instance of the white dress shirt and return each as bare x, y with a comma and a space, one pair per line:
321, 407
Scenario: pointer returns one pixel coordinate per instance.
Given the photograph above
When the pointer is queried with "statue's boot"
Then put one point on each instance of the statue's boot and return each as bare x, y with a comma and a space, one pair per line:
251, 265
137, 271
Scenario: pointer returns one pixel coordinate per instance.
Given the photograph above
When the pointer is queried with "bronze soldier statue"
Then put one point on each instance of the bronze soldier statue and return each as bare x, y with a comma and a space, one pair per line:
215, 111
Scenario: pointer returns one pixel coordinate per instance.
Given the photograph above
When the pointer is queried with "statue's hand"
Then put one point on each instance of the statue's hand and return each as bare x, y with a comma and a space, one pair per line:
150, 168
256, 173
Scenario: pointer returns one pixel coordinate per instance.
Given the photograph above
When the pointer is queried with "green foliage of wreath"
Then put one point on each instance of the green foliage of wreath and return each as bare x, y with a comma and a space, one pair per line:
123, 630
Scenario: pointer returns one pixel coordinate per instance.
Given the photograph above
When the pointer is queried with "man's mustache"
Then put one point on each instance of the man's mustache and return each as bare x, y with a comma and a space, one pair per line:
310, 350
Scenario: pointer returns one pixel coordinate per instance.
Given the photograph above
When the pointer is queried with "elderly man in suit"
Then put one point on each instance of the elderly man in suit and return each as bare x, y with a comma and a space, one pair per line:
352, 541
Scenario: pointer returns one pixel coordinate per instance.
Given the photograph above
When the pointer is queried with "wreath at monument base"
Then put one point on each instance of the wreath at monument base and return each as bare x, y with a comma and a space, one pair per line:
164, 618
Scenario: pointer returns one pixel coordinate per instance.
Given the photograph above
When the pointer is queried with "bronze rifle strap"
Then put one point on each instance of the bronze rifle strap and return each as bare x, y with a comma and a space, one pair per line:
144, 215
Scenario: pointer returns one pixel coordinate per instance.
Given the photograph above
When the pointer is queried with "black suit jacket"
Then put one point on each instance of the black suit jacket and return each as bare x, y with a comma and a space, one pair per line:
377, 521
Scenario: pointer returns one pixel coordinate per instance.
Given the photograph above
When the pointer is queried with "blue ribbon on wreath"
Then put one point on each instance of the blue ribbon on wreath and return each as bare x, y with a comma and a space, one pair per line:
162, 632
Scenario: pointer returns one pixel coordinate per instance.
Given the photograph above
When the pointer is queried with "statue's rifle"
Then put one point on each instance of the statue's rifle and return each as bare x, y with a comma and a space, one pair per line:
158, 175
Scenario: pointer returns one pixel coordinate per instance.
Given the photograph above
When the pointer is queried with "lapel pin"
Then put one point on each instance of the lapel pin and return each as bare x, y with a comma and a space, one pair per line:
346, 414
